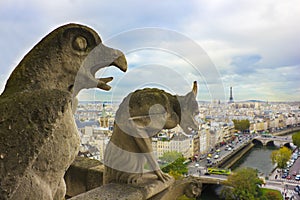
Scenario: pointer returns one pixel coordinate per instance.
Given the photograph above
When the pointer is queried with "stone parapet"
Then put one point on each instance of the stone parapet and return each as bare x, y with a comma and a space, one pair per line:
83, 175
112, 191
84, 180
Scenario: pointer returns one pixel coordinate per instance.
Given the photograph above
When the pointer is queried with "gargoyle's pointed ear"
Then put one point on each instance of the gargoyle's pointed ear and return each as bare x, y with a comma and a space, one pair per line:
195, 88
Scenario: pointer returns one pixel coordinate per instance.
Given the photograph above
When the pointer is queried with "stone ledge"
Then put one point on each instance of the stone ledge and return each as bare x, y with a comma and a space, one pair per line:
112, 191
83, 175
148, 188
84, 180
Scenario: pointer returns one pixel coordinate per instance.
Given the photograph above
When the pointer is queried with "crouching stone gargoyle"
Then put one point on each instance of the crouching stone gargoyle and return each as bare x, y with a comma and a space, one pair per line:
38, 136
142, 114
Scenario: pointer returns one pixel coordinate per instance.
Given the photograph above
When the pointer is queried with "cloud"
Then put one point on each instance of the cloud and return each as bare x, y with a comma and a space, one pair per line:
245, 41
245, 64
172, 49
156, 68
273, 84
268, 28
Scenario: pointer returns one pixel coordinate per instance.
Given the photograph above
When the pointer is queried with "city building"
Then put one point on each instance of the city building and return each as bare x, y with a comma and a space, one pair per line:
95, 124
172, 142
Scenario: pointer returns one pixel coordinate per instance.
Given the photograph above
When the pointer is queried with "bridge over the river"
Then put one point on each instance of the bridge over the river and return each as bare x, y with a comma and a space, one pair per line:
221, 179
276, 140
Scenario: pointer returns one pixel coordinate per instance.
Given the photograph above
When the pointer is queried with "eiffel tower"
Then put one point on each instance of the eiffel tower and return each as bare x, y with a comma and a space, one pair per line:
231, 98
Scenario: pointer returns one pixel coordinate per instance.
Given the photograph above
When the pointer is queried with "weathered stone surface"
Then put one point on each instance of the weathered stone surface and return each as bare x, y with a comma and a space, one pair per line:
143, 191
190, 187
112, 192
83, 175
34, 157
38, 136
149, 190
141, 115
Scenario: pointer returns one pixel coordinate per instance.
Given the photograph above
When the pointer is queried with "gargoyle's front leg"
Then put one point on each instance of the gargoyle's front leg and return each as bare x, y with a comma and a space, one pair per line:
163, 176
145, 146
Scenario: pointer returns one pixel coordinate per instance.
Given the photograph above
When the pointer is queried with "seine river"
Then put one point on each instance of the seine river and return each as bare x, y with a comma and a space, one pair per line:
258, 157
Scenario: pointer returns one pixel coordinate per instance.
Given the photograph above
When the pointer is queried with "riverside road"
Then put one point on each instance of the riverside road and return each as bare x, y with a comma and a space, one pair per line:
274, 181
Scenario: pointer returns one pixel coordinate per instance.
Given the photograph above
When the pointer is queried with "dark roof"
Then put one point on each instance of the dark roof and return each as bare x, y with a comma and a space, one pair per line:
86, 123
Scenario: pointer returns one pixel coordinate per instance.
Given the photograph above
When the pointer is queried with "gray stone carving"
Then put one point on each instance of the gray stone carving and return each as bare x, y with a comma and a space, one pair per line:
83, 174
141, 115
190, 187
38, 136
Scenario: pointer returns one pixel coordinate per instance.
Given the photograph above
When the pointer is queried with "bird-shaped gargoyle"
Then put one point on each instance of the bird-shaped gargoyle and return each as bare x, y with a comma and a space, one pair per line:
38, 135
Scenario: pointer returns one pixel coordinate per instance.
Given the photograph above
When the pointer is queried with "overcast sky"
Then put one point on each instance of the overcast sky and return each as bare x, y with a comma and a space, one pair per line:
252, 46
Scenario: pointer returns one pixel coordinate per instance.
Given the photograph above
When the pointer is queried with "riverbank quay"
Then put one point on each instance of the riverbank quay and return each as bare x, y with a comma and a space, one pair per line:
229, 160
286, 189
286, 184
286, 131
237, 153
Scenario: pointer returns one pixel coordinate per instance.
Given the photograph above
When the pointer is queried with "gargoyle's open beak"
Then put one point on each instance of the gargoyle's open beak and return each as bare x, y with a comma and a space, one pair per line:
120, 62
99, 58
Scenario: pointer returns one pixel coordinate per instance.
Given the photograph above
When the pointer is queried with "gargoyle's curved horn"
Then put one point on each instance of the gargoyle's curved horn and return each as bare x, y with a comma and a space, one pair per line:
195, 88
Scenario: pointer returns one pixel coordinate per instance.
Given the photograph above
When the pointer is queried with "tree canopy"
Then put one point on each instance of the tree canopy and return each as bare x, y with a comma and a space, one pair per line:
296, 139
243, 184
170, 156
281, 156
272, 195
241, 125
175, 166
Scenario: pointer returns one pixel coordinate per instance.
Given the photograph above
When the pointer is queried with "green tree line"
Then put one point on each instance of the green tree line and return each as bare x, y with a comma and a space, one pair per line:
241, 125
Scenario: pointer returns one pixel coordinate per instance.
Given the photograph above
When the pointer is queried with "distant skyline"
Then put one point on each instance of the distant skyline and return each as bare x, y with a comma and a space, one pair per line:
251, 46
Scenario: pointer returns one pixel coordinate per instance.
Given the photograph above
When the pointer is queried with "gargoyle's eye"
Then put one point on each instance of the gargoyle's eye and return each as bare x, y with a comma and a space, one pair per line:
79, 43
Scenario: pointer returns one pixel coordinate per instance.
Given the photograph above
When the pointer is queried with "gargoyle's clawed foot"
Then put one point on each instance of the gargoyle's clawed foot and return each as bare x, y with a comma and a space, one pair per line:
134, 179
102, 83
162, 176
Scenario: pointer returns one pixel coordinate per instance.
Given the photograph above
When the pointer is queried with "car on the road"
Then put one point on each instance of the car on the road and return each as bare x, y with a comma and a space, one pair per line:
286, 170
292, 162
216, 156
297, 178
297, 188
229, 149
209, 164
289, 177
294, 173
202, 157
295, 156
284, 175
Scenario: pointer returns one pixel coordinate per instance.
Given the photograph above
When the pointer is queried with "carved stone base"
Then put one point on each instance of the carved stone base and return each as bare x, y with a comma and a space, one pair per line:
150, 189
150, 186
190, 187
112, 191
146, 189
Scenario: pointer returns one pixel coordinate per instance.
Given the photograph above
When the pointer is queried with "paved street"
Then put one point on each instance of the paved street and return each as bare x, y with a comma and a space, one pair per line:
287, 185
237, 143
275, 181
286, 189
